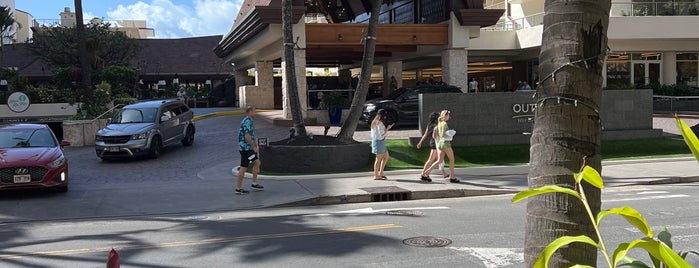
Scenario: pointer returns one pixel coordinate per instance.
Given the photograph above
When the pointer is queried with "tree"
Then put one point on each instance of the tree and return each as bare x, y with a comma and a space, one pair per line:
82, 52
6, 22
57, 46
347, 130
567, 131
290, 70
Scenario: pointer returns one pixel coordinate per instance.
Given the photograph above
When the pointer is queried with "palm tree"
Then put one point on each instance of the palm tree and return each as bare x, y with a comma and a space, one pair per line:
82, 52
290, 70
6, 22
566, 133
348, 127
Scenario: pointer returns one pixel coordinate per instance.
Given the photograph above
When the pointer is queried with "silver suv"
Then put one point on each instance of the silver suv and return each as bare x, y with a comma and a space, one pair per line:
144, 128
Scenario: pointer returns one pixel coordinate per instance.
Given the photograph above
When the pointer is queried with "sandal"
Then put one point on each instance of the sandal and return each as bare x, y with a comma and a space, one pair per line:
384, 177
380, 179
454, 180
425, 178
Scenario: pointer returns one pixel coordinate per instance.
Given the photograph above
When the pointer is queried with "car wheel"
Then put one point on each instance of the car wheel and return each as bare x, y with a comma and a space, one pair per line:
189, 137
156, 145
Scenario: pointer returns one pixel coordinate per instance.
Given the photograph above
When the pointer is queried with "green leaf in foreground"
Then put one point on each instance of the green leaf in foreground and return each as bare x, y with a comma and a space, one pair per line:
591, 176
656, 249
551, 248
689, 137
631, 215
542, 190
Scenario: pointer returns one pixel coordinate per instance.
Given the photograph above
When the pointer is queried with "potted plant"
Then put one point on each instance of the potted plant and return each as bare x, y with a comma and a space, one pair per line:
334, 102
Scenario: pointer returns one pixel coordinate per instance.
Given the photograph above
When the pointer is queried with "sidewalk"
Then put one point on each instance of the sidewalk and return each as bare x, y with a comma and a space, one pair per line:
405, 184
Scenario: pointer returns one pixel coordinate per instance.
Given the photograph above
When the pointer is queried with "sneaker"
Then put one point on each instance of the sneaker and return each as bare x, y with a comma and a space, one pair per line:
425, 179
257, 187
241, 191
454, 180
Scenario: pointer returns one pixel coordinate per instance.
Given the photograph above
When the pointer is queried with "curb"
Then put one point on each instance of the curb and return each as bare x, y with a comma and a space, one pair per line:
379, 197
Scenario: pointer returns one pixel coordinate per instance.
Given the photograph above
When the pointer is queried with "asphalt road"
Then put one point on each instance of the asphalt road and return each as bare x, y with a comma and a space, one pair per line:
461, 232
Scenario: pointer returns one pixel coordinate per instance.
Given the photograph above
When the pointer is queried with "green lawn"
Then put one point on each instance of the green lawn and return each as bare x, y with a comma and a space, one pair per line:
404, 156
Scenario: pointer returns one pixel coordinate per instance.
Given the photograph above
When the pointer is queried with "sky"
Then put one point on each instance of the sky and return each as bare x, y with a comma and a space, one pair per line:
169, 18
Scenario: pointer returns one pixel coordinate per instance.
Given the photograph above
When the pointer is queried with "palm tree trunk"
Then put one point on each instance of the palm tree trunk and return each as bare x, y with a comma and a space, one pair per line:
567, 128
82, 53
290, 70
6, 22
350, 124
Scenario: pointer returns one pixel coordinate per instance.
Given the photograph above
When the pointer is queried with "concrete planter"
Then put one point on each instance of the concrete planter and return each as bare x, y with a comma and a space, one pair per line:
307, 159
494, 118
82, 132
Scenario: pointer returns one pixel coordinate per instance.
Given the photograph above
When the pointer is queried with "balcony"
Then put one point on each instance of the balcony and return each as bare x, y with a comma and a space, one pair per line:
662, 8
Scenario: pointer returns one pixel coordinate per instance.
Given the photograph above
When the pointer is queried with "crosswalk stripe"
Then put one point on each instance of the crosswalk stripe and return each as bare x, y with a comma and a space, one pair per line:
646, 198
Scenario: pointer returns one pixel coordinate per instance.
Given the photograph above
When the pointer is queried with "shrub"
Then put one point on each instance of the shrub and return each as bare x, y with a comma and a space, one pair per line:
660, 249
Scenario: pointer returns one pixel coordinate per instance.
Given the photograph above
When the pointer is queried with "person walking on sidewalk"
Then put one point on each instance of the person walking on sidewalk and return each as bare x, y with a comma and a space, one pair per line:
431, 125
443, 135
379, 131
249, 152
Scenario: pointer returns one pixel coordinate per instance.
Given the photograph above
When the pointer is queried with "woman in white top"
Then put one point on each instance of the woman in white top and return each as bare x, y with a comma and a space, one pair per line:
443, 135
379, 131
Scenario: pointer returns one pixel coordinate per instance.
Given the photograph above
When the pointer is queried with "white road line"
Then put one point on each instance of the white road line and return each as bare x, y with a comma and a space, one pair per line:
374, 211
646, 198
654, 192
670, 228
628, 189
495, 257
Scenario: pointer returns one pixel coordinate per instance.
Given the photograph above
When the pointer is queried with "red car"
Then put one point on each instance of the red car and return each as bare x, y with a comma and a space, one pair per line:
32, 157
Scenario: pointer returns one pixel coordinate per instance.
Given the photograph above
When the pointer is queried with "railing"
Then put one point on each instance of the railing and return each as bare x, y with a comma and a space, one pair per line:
108, 111
674, 104
664, 8
517, 24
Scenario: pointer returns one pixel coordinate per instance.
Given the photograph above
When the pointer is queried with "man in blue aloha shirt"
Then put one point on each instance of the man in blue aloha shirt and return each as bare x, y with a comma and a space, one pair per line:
249, 152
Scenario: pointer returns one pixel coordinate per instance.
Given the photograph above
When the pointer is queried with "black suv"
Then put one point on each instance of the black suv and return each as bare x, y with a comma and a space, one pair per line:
402, 105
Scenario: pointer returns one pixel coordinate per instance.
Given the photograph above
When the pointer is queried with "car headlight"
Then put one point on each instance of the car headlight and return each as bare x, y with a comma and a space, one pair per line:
370, 108
98, 138
140, 136
58, 162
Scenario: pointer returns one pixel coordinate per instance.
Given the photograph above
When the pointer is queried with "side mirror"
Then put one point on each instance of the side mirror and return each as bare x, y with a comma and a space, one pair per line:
65, 143
109, 120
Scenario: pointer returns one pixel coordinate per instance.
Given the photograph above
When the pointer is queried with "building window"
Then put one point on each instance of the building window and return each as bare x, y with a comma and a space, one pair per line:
618, 73
638, 69
687, 69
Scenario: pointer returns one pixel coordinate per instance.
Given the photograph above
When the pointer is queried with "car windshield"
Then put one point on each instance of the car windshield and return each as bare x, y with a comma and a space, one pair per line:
397, 93
20, 138
141, 115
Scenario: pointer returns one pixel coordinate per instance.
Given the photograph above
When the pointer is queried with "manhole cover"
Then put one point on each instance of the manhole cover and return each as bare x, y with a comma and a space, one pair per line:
405, 213
427, 242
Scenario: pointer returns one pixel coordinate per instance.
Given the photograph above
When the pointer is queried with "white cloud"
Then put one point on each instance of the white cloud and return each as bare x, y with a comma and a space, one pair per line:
170, 20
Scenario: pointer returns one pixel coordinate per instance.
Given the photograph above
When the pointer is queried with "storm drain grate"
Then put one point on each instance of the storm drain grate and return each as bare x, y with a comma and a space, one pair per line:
390, 197
387, 193
427, 242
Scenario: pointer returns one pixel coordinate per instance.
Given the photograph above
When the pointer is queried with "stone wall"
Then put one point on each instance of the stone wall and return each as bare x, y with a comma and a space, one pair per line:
257, 96
507, 117
82, 132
